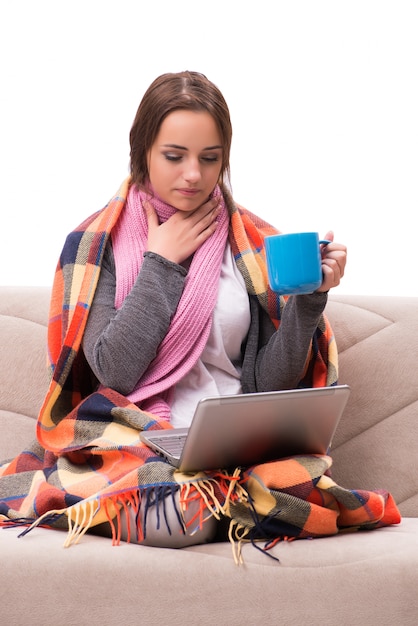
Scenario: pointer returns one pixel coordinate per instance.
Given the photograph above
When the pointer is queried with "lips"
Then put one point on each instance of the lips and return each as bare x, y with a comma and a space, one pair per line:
188, 192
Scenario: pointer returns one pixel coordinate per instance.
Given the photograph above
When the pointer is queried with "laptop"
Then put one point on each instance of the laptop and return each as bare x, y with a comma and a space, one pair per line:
246, 429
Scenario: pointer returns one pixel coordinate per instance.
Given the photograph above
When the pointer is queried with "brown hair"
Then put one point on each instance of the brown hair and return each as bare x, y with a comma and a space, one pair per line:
167, 93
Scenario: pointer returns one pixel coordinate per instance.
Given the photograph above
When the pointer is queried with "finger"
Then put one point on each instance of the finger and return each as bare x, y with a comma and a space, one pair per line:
330, 278
203, 210
329, 236
202, 222
151, 215
333, 267
338, 257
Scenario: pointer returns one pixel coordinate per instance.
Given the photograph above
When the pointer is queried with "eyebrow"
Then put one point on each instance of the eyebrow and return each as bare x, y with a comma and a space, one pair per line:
176, 146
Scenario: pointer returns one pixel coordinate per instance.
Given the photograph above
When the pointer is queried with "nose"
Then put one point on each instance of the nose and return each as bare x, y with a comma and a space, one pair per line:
192, 173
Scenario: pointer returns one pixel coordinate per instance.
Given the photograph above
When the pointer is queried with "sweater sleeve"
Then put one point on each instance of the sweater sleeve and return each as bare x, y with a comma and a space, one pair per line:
276, 359
119, 344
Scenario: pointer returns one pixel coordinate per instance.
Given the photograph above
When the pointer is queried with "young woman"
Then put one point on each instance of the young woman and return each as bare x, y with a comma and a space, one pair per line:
170, 255
160, 299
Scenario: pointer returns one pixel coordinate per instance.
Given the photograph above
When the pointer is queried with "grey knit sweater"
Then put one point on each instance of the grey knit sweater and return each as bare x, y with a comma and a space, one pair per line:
120, 344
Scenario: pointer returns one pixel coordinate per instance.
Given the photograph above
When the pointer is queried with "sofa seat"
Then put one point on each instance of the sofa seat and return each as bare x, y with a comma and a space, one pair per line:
355, 579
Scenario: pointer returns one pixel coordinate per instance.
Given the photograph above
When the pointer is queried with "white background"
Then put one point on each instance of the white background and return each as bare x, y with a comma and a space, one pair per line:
323, 98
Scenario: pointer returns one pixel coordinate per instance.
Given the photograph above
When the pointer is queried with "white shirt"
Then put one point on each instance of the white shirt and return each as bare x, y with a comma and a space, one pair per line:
218, 371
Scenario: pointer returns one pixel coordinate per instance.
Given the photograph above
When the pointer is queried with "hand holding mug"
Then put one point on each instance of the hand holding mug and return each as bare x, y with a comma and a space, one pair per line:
301, 263
333, 260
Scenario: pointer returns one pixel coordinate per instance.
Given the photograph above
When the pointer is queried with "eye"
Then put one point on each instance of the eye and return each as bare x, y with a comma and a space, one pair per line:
172, 157
210, 158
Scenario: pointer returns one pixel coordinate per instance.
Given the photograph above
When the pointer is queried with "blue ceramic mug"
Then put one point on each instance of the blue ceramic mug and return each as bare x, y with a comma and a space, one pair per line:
294, 262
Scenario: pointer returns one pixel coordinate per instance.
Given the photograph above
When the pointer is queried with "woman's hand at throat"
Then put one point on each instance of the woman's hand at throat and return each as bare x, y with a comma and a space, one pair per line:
180, 236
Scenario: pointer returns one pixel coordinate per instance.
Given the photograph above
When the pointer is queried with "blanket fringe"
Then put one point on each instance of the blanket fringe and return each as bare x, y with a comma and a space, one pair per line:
46, 520
236, 535
84, 515
239, 534
205, 490
129, 499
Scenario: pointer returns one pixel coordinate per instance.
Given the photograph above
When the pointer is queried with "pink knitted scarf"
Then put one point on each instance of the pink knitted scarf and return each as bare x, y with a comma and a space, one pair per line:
191, 324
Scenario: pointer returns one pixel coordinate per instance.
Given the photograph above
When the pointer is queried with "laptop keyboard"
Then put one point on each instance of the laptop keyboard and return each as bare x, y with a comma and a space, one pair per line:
173, 445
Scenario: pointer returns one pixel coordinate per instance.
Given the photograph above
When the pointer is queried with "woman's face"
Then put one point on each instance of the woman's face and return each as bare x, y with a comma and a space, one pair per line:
185, 160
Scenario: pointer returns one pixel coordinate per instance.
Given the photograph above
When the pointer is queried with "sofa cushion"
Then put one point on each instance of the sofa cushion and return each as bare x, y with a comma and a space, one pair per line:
23, 373
376, 443
360, 578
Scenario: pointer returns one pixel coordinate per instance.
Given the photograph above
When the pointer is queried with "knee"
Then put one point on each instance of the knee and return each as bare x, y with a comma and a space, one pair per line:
163, 525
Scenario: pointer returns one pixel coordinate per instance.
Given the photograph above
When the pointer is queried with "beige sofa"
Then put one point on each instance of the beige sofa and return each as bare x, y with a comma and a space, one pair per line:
360, 578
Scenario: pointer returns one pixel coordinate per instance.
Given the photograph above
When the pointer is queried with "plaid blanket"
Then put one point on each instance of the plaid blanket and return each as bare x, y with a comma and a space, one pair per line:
87, 462
297, 498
